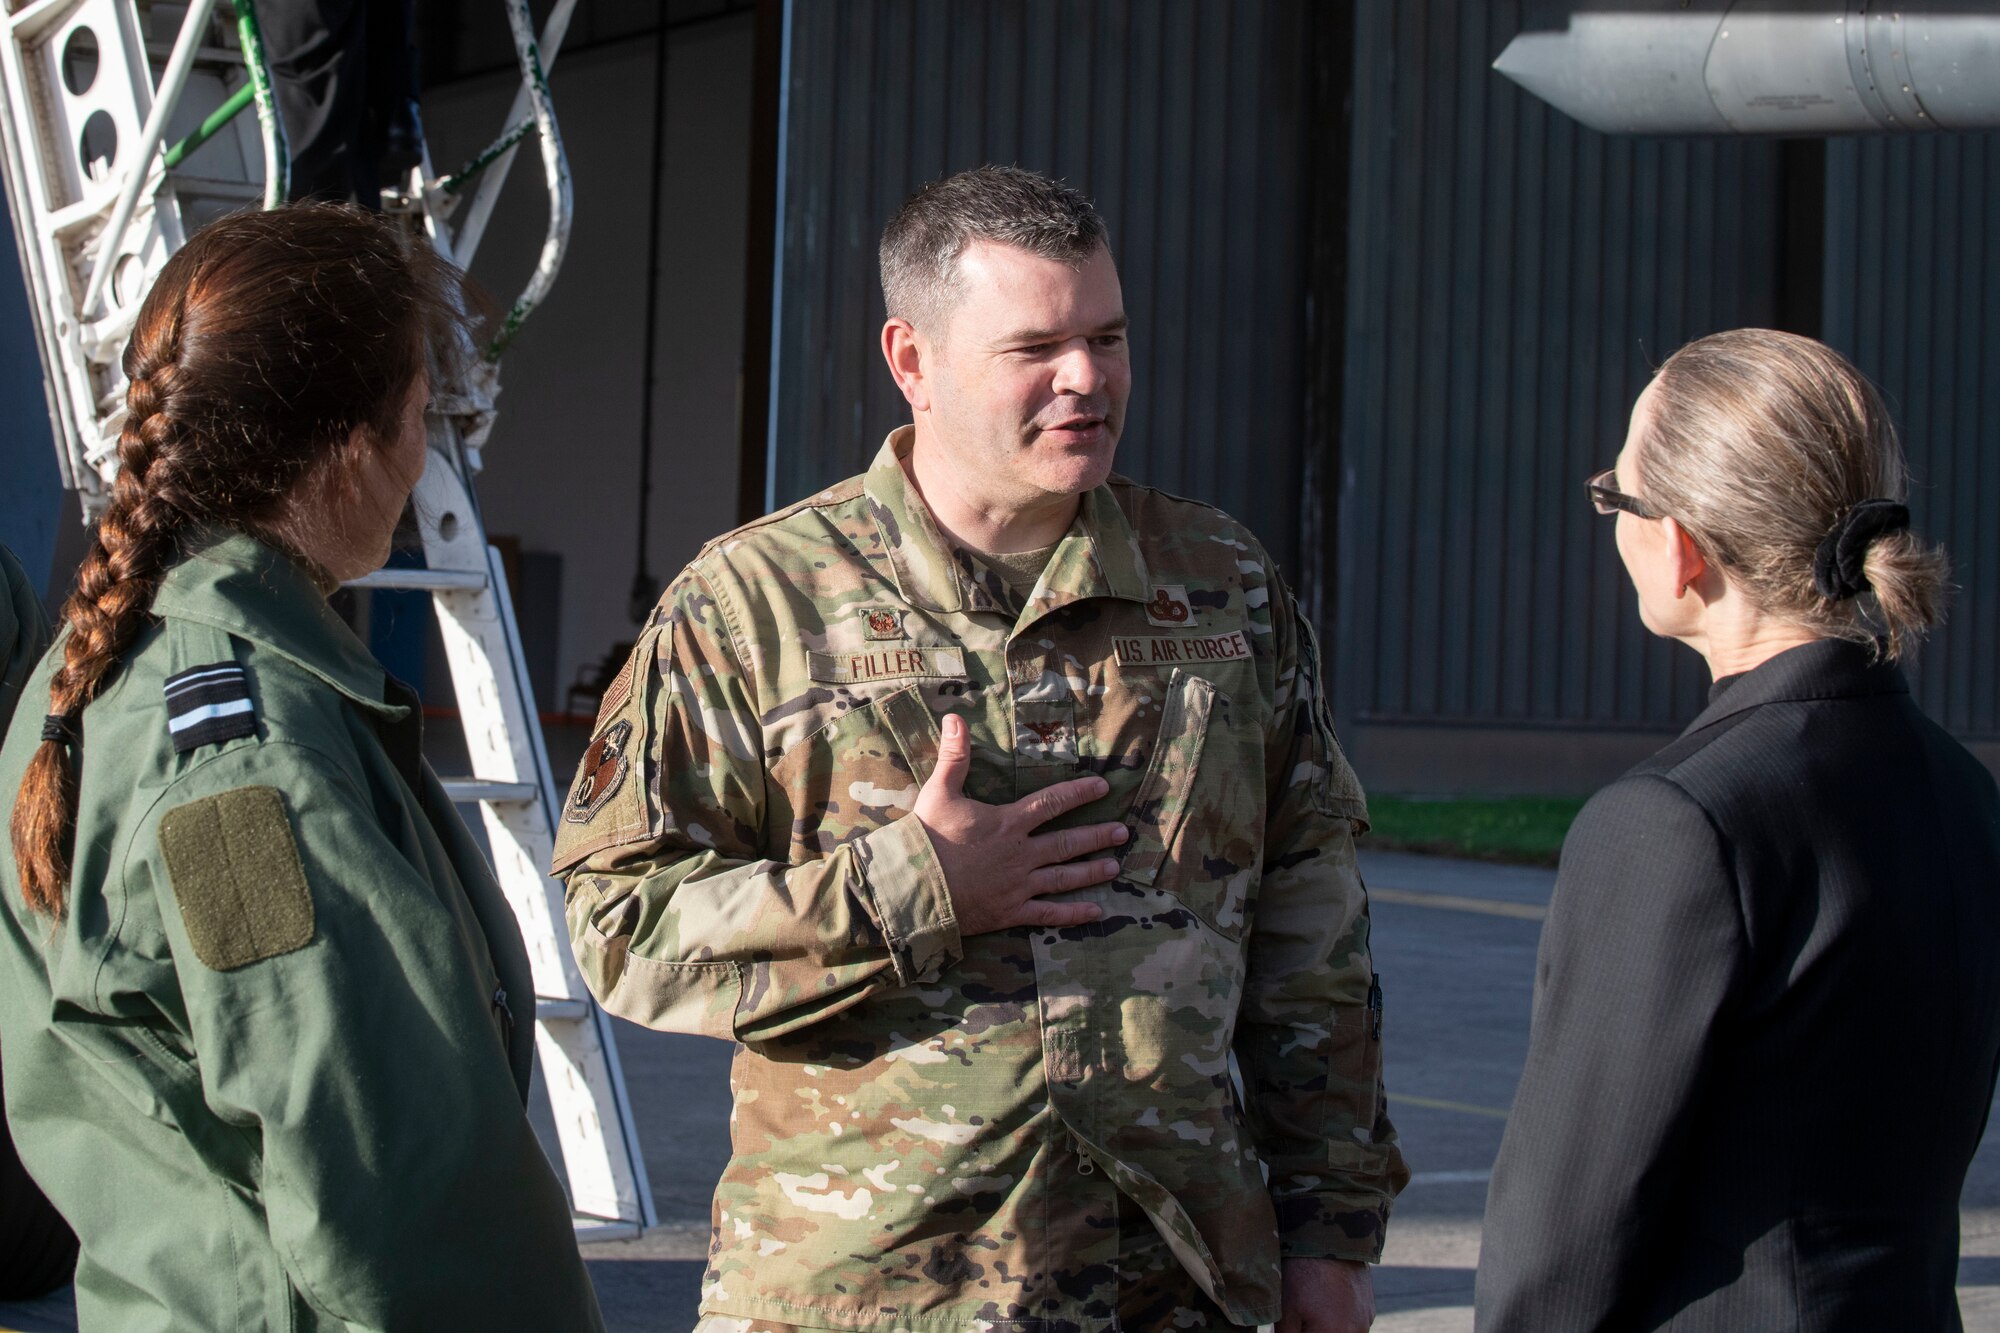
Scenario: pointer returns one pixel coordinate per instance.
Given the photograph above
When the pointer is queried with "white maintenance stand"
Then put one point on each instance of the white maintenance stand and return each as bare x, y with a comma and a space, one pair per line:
120, 134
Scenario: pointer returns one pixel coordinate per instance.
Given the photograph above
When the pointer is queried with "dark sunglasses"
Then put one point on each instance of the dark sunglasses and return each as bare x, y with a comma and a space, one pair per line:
1604, 494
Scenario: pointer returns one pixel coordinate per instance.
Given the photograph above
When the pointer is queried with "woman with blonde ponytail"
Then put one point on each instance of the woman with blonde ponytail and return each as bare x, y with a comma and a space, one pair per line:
257, 987
1767, 1017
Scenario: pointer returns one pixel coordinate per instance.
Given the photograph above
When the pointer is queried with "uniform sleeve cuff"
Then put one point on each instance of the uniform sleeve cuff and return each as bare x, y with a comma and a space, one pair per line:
1333, 1226
906, 885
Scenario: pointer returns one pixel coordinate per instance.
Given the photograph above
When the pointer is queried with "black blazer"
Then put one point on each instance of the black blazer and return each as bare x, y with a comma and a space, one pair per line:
1767, 1017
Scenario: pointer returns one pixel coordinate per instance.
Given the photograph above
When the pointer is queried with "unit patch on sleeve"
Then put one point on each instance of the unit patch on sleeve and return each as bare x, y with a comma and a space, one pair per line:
888, 664
601, 773
1181, 649
1170, 605
206, 704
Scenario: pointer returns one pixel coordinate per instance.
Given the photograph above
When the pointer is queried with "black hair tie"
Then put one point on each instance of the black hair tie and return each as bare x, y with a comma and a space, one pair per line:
60, 728
1840, 563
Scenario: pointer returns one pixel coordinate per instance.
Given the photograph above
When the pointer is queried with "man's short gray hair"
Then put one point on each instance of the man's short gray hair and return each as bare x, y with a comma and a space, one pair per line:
922, 243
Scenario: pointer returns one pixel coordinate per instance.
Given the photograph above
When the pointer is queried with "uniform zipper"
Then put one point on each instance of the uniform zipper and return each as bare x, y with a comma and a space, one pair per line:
501, 1008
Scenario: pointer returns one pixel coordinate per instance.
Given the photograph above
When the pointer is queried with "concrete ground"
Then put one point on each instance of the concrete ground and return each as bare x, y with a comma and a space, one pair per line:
1455, 945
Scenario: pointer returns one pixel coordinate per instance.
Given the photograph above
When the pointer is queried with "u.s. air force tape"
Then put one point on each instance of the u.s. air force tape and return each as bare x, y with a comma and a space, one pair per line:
206, 704
1181, 649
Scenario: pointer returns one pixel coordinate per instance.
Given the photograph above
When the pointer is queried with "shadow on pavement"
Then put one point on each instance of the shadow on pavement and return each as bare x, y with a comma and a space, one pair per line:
647, 1293
1411, 1287
54, 1313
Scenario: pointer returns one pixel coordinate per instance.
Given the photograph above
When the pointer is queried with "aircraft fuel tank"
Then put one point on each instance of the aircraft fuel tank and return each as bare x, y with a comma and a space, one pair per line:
1779, 67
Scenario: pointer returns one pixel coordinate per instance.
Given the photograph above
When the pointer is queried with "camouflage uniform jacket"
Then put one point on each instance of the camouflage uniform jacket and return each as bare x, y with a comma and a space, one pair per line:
930, 1130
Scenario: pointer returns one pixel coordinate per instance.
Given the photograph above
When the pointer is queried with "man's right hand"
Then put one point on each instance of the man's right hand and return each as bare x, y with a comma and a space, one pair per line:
995, 864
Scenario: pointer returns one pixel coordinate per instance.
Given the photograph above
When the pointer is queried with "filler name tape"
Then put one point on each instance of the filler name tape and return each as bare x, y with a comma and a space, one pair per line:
889, 664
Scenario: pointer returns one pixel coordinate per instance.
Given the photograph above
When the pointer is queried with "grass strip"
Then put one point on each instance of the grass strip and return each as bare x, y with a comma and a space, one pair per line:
1519, 830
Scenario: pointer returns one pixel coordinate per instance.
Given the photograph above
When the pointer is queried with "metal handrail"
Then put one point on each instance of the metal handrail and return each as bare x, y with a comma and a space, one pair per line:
485, 158
210, 127
555, 168
256, 88
494, 167
277, 148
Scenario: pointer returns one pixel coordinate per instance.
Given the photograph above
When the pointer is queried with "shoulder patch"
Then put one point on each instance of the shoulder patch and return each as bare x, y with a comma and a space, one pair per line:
207, 704
235, 871
601, 773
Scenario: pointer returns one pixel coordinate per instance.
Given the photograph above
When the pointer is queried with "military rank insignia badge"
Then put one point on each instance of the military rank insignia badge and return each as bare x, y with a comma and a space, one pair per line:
601, 773
1045, 741
880, 622
1169, 606
208, 704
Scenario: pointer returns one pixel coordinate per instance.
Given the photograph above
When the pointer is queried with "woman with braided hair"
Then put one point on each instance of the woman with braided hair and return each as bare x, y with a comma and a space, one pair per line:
1767, 1019
257, 987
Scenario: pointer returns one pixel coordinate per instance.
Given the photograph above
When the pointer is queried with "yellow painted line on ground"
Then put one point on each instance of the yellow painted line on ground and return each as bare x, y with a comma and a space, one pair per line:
1438, 1104
1454, 903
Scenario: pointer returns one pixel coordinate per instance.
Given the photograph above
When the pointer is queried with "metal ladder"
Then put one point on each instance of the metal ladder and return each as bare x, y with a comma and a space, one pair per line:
93, 89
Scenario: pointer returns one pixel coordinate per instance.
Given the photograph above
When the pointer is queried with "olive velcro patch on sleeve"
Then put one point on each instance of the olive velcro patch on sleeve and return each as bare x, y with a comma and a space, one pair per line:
235, 870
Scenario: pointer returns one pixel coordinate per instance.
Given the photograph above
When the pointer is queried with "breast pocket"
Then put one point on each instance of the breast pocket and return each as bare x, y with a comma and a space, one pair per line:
1197, 817
857, 773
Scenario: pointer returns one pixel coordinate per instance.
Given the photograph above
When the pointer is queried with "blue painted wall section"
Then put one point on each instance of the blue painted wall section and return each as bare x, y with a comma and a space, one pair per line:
32, 501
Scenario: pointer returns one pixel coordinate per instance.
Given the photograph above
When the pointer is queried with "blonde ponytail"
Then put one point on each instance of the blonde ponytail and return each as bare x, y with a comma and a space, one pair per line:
1779, 458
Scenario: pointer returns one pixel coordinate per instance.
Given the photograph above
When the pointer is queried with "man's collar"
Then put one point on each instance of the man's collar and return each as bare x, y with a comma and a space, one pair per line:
237, 584
1098, 556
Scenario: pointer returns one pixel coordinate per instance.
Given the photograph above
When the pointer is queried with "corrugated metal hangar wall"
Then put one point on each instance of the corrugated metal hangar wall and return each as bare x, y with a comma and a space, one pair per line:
1514, 278
1184, 122
1390, 310
1913, 295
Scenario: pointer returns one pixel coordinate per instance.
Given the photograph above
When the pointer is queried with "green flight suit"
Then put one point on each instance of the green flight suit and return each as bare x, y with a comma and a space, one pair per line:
267, 1062
37, 1249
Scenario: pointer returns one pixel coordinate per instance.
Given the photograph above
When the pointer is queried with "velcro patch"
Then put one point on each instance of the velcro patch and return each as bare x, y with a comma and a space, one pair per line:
207, 704
1044, 734
882, 623
1170, 605
889, 664
601, 773
1181, 649
235, 871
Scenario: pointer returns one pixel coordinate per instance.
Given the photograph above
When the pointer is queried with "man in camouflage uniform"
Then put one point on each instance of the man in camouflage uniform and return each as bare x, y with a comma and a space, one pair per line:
990, 802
